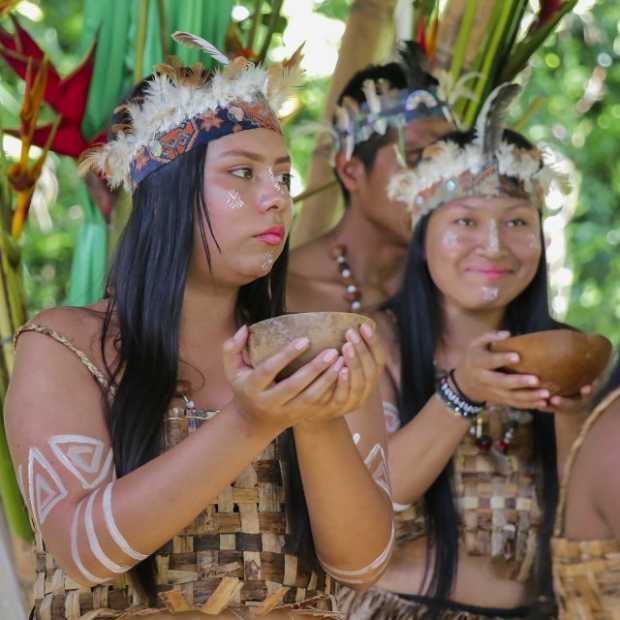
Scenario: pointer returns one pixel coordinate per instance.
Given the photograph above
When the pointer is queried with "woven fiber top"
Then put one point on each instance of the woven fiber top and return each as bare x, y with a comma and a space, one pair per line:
231, 556
495, 496
586, 573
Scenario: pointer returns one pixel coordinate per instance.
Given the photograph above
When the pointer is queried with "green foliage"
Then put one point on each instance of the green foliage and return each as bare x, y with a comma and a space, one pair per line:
577, 72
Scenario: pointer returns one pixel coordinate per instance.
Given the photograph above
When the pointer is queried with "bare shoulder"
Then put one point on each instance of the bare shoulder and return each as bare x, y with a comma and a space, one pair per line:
599, 453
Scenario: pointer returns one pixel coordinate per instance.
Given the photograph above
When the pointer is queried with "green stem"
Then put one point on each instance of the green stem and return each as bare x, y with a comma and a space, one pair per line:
489, 59
163, 29
273, 20
143, 13
460, 48
255, 21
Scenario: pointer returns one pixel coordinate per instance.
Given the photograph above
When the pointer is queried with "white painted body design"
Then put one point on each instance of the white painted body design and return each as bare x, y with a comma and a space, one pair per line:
88, 461
45, 488
391, 417
268, 260
353, 576
75, 552
233, 200
451, 240
493, 243
93, 541
83, 457
490, 293
377, 465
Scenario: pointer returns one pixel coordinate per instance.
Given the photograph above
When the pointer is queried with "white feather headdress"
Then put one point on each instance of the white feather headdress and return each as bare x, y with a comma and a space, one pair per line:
176, 94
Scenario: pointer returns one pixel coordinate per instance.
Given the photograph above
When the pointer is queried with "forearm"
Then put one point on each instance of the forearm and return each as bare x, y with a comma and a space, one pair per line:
129, 518
350, 512
420, 450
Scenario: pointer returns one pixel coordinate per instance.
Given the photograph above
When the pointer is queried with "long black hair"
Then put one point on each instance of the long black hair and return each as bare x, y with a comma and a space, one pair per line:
145, 291
419, 317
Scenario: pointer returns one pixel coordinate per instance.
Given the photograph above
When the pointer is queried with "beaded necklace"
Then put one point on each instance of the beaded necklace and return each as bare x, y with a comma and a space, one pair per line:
353, 293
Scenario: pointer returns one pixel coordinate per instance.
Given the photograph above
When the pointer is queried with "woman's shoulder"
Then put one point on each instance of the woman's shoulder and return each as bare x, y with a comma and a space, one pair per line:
58, 334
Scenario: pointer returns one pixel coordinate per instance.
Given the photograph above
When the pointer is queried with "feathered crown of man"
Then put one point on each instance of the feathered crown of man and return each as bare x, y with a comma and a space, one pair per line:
486, 166
184, 107
385, 106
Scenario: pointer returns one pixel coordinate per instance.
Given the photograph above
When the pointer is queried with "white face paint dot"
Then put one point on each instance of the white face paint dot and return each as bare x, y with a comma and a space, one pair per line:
489, 294
267, 263
356, 438
451, 239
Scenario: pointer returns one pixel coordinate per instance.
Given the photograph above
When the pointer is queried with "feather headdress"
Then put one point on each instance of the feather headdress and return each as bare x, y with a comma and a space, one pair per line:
488, 166
183, 107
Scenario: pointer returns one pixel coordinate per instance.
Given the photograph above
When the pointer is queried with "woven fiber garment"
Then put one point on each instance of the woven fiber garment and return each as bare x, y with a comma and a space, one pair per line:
232, 556
496, 500
377, 604
586, 573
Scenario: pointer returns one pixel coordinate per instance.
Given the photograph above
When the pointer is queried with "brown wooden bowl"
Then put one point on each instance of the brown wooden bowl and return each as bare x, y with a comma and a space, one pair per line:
564, 360
326, 330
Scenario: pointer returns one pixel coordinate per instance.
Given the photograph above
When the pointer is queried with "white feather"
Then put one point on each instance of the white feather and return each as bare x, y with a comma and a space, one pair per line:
192, 40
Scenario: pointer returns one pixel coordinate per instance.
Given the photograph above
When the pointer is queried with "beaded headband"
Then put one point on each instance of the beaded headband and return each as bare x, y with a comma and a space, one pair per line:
489, 166
184, 107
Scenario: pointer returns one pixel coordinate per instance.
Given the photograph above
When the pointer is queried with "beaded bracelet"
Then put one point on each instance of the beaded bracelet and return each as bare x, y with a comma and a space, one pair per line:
455, 400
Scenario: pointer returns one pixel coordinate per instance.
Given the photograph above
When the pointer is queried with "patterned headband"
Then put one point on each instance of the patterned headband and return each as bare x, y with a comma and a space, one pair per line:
184, 107
488, 167
383, 108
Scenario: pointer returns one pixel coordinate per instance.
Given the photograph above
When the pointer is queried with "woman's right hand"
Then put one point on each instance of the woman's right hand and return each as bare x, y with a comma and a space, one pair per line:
480, 380
329, 386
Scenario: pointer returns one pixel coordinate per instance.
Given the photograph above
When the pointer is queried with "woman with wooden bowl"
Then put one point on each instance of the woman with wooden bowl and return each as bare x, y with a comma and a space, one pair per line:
473, 450
162, 472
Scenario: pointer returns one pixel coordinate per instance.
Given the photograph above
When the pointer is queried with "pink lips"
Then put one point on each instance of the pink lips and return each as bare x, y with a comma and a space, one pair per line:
272, 236
490, 274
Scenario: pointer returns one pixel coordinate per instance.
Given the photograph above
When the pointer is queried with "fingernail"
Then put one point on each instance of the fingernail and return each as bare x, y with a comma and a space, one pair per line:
344, 373
339, 364
532, 381
349, 351
301, 343
514, 358
367, 330
241, 332
544, 394
503, 334
329, 356
353, 336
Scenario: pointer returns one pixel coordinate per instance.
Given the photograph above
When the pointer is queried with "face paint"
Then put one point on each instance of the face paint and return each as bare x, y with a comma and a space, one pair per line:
115, 533
44, 486
233, 200
75, 552
493, 239
83, 457
278, 186
489, 294
267, 263
533, 241
357, 438
451, 240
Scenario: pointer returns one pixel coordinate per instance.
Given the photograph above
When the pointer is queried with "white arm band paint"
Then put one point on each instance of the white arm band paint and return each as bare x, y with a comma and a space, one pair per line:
377, 465
119, 539
75, 553
93, 541
354, 576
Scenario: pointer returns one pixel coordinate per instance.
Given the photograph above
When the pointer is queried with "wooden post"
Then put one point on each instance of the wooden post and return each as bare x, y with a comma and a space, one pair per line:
368, 38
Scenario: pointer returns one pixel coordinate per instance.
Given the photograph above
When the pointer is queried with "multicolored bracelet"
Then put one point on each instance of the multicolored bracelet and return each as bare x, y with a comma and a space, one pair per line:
451, 395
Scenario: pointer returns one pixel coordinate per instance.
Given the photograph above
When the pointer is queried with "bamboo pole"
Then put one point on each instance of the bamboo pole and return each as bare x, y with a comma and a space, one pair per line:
368, 38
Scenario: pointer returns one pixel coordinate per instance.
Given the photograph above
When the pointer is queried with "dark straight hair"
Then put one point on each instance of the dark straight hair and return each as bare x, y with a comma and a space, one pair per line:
419, 318
145, 289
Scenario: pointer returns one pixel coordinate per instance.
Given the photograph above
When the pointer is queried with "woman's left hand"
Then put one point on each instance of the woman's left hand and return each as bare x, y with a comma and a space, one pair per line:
561, 405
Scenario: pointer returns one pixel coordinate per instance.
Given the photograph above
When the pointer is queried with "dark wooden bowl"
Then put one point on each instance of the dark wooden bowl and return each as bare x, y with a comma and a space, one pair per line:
564, 360
326, 330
